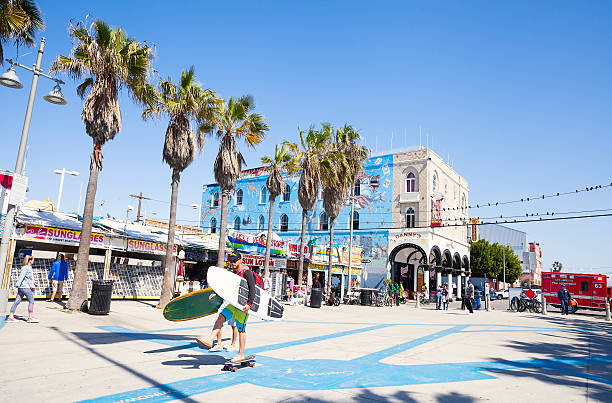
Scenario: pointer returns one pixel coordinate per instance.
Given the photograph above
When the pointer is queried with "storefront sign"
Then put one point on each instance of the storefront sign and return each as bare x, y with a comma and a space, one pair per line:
355, 271
155, 248
404, 236
474, 229
294, 250
256, 260
251, 243
62, 236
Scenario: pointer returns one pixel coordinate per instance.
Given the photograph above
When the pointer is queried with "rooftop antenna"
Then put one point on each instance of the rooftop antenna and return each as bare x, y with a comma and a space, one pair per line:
376, 146
420, 142
431, 143
427, 135
391, 140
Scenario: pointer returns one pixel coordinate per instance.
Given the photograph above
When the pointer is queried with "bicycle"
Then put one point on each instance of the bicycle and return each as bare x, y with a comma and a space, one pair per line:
526, 303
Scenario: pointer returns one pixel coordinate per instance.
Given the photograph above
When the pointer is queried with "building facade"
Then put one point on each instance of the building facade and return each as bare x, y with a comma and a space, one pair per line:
409, 219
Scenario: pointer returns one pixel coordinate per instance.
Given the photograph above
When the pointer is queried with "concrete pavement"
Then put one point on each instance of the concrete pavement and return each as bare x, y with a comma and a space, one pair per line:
346, 353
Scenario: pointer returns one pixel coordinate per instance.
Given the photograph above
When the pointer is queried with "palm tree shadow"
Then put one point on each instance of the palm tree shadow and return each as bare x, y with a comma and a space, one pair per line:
195, 361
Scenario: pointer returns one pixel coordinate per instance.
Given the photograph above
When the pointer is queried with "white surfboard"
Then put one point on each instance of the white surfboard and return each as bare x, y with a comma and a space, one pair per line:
235, 290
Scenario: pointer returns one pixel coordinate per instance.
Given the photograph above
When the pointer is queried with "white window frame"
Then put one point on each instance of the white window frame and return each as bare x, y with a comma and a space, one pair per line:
263, 195
410, 216
286, 195
215, 199
213, 226
239, 197
323, 214
414, 180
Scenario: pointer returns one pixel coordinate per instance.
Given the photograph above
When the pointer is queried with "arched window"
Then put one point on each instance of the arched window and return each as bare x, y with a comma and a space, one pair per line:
215, 199
410, 182
358, 188
237, 224
410, 218
355, 220
261, 225
284, 223
435, 182
213, 225
323, 222
374, 182
239, 196
263, 196
286, 193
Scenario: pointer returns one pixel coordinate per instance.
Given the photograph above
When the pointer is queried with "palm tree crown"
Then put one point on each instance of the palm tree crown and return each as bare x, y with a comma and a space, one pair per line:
19, 22
109, 61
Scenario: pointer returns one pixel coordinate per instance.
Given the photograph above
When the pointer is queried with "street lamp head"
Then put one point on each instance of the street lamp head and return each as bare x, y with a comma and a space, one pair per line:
10, 79
130, 208
55, 96
195, 205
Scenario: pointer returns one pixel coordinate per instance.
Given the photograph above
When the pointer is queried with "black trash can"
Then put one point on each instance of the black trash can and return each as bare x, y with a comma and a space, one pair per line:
101, 291
366, 297
316, 295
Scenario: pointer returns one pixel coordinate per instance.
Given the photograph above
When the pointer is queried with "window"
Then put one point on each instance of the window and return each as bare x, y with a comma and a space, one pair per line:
213, 225
237, 224
410, 218
239, 195
463, 202
261, 225
435, 182
286, 193
355, 220
215, 199
263, 196
445, 189
584, 286
284, 223
323, 222
358, 188
410, 183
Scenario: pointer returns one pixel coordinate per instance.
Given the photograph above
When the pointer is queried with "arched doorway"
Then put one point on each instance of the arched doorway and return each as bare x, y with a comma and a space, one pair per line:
407, 261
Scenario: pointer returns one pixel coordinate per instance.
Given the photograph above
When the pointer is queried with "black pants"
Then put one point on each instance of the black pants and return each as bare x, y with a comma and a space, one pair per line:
396, 295
463, 303
468, 304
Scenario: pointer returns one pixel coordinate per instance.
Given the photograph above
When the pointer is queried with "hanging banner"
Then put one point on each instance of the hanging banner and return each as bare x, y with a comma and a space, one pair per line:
244, 242
148, 247
63, 236
294, 250
356, 259
321, 254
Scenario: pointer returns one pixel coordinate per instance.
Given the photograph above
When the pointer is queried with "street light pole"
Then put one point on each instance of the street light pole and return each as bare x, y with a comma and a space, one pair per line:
504, 262
10, 215
62, 172
350, 258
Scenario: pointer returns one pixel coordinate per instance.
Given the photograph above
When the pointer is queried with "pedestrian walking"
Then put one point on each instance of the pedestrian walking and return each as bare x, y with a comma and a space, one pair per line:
469, 296
438, 297
564, 297
25, 287
57, 275
396, 293
445, 298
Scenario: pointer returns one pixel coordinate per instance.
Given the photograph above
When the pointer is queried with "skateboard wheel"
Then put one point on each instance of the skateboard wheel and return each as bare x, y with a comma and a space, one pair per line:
252, 364
234, 369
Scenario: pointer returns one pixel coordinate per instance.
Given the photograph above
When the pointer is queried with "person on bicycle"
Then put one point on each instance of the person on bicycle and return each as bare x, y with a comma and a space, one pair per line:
564, 297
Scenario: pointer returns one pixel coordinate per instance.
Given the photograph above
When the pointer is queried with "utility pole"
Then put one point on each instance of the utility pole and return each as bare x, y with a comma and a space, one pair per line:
350, 258
504, 262
140, 198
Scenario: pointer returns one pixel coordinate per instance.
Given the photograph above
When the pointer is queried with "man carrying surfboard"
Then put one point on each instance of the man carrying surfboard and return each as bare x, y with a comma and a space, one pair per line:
230, 311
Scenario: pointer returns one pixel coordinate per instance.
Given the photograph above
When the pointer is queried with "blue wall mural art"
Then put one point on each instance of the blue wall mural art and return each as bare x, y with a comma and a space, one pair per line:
248, 210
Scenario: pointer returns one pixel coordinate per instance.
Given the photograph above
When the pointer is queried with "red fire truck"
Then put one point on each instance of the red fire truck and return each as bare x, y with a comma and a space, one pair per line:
589, 291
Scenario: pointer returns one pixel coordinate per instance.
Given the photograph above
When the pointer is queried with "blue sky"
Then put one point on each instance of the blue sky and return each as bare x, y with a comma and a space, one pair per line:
517, 93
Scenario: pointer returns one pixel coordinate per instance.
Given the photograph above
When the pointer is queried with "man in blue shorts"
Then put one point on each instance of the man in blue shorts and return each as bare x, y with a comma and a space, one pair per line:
230, 311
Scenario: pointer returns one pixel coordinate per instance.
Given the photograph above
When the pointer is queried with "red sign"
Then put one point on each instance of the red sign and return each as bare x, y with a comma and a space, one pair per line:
57, 235
436, 223
148, 247
294, 250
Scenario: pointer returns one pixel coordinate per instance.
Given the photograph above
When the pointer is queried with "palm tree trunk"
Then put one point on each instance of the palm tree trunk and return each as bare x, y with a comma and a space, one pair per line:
223, 227
331, 247
302, 243
167, 288
78, 294
269, 237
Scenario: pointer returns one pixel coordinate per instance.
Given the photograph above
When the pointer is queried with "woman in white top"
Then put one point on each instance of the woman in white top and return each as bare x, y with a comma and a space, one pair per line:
25, 287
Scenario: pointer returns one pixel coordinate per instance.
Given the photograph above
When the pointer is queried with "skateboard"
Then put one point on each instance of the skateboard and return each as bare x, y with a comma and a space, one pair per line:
249, 361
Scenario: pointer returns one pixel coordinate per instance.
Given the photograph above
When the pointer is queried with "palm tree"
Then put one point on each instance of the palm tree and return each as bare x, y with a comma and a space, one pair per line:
343, 163
19, 22
284, 161
314, 144
235, 119
185, 104
109, 61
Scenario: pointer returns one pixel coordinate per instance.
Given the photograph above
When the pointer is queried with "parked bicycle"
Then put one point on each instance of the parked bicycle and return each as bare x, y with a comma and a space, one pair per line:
525, 303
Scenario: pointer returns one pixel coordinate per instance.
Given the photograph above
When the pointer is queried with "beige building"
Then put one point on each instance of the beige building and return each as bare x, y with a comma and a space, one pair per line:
429, 242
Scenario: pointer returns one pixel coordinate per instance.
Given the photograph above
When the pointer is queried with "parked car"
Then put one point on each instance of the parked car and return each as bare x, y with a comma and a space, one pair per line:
499, 294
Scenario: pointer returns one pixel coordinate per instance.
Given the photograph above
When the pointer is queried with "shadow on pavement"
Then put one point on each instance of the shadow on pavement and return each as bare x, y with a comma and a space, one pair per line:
194, 361
118, 337
368, 395
169, 390
579, 338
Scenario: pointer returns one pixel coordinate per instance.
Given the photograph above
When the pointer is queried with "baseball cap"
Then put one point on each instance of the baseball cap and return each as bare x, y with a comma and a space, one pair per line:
234, 256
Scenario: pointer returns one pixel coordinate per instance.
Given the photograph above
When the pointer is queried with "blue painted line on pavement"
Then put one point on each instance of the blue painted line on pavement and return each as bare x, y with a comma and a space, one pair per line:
363, 372
2, 322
